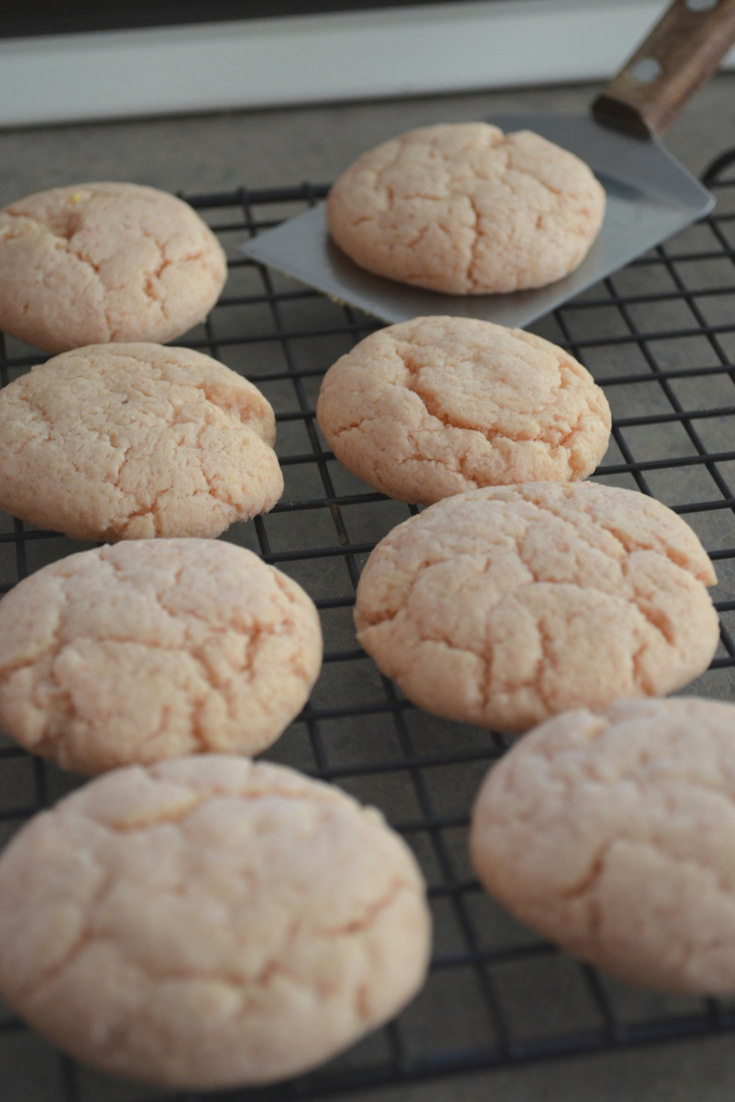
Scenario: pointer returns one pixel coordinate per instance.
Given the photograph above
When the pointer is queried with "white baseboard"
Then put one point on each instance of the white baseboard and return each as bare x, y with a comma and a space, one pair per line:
257, 63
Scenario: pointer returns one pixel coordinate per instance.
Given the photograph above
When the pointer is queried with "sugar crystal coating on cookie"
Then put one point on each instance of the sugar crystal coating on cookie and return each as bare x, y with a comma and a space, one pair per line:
614, 836
209, 922
464, 209
105, 262
153, 649
132, 441
503, 606
439, 405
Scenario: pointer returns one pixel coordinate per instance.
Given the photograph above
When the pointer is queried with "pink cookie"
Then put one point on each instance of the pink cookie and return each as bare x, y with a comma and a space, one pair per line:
131, 441
105, 262
208, 922
506, 605
439, 405
467, 210
152, 649
613, 835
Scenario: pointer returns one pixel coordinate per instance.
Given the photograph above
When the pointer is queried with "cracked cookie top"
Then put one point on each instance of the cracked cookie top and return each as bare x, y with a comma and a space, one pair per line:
612, 835
132, 441
209, 922
465, 209
506, 605
154, 649
438, 405
105, 262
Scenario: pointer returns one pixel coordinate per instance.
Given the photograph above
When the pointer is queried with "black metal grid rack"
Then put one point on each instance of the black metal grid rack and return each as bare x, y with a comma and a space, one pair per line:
660, 337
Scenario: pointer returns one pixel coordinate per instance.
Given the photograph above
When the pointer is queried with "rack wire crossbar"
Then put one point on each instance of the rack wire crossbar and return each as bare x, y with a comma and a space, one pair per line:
659, 336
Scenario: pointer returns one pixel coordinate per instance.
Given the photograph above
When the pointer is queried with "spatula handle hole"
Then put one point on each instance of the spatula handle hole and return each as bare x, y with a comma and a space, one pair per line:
701, 5
646, 70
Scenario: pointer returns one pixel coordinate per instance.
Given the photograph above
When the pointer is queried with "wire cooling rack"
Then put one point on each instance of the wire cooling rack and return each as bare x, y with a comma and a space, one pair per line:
660, 338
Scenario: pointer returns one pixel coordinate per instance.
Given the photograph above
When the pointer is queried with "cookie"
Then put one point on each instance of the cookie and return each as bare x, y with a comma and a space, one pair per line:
132, 441
503, 606
209, 922
154, 649
439, 405
614, 836
468, 210
105, 262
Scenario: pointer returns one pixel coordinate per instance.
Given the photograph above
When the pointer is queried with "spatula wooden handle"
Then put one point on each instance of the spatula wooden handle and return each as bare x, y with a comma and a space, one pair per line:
681, 53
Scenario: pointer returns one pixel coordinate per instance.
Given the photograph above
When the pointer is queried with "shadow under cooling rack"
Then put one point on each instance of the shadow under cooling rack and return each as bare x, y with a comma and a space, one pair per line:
659, 336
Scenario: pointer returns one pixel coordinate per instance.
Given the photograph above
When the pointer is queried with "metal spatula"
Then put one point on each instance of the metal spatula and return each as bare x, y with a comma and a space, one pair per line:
650, 196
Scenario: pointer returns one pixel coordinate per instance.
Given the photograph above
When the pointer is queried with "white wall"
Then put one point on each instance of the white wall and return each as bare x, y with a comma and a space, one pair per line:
394, 52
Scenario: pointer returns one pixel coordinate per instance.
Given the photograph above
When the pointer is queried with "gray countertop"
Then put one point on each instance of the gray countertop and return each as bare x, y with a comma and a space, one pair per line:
281, 148
285, 146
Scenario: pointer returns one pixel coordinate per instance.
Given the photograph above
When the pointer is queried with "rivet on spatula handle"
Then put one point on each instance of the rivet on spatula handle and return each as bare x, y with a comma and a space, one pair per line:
681, 53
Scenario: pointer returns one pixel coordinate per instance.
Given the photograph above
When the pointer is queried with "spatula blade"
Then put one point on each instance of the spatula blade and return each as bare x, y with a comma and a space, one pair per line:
650, 197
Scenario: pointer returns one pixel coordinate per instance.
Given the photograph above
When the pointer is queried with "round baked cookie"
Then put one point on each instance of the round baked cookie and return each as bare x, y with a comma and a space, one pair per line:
105, 262
465, 209
506, 605
132, 441
614, 836
154, 649
209, 922
438, 405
